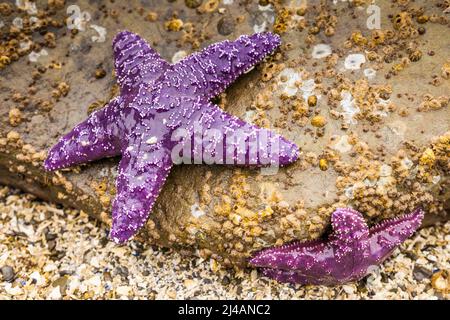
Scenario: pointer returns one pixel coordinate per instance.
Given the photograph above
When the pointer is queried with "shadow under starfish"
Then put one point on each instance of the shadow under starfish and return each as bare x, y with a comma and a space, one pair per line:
347, 255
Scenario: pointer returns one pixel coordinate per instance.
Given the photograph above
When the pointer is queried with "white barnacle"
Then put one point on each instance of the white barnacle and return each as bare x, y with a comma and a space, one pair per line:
290, 85
436, 179
370, 73
25, 45
321, 51
18, 22
349, 107
34, 20
34, 56
342, 145
354, 61
258, 28
26, 5
385, 170
101, 31
196, 211
307, 88
265, 8
407, 163
267, 16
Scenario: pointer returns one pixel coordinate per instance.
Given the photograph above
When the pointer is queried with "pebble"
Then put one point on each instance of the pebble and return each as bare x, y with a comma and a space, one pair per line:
225, 280
226, 26
7, 273
61, 283
123, 290
55, 294
420, 273
50, 236
172, 294
189, 283
51, 245
441, 281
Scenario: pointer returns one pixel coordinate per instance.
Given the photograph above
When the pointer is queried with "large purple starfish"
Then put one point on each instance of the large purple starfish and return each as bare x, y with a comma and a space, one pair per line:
351, 249
155, 100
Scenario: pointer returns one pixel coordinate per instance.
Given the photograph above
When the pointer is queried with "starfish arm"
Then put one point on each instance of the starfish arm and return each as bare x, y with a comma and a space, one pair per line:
293, 256
307, 262
338, 259
136, 62
350, 232
349, 241
92, 139
142, 172
389, 234
209, 72
230, 140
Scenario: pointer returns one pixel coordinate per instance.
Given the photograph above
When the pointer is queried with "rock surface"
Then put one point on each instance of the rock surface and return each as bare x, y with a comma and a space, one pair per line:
369, 110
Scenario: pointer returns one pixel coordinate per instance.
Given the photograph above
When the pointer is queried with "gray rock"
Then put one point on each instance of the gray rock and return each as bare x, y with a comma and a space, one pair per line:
7, 273
420, 273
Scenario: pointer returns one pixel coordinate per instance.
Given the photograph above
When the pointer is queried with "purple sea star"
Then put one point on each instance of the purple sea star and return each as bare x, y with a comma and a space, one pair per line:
156, 99
347, 255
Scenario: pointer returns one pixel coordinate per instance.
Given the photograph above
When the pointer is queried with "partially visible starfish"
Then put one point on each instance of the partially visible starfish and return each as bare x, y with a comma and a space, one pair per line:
347, 255
157, 98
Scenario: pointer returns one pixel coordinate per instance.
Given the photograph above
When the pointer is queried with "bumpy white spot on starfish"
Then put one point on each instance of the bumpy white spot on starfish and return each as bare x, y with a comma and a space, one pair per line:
152, 140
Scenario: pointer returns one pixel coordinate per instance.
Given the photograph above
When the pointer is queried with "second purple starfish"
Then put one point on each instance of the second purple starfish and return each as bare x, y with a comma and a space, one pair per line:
155, 100
347, 255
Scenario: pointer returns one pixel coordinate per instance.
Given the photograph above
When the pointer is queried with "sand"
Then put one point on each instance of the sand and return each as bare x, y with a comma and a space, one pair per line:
47, 252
